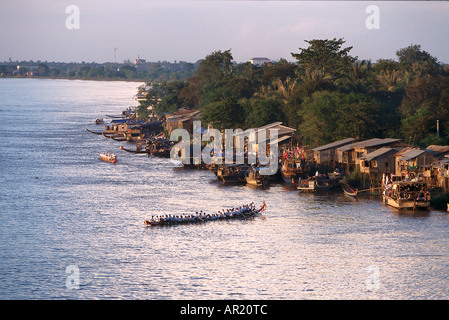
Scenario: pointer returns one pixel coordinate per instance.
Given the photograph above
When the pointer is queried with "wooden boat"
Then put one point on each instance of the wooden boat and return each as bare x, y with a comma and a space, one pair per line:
159, 147
232, 173
292, 170
348, 190
116, 117
95, 132
319, 183
138, 150
116, 137
108, 157
254, 178
99, 120
406, 195
242, 212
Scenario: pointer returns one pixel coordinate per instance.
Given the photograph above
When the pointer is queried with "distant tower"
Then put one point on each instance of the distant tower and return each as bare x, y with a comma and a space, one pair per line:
115, 55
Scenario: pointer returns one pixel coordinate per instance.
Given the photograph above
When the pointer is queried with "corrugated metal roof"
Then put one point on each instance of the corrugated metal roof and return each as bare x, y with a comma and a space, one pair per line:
334, 144
435, 147
404, 150
275, 125
377, 153
368, 143
411, 154
356, 144
437, 150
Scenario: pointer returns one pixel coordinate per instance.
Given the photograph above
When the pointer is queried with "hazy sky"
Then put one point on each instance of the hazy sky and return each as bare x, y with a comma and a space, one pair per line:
189, 30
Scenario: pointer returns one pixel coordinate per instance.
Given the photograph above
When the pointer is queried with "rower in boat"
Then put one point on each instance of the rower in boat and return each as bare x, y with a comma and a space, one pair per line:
246, 210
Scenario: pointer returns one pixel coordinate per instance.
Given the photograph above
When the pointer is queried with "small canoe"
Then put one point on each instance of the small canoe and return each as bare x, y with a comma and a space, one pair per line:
108, 157
348, 190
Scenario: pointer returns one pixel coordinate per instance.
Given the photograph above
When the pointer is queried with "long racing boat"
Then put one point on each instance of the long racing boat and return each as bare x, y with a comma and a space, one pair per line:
245, 211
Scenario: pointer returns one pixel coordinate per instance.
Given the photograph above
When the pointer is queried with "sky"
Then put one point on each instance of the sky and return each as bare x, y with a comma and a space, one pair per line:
189, 30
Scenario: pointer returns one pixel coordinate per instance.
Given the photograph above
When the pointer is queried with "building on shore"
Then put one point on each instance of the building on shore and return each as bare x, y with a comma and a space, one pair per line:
348, 154
378, 162
326, 154
409, 161
183, 119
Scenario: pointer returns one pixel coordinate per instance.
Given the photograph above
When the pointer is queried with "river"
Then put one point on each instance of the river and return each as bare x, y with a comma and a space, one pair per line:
72, 226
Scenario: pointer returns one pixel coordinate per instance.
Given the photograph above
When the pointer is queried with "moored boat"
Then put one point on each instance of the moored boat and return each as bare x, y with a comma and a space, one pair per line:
319, 183
292, 170
406, 195
348, 190
232, 173
95, 132
138, 150
254, 178
108, 157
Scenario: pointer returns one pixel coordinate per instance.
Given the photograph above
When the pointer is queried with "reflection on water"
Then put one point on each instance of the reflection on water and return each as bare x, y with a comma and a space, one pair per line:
62, 206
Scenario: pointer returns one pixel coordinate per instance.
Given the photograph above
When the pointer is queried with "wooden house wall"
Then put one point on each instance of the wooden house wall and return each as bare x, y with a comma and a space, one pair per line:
382, 164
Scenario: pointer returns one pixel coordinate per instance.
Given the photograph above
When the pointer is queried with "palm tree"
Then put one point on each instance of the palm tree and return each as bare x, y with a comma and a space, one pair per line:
388, 79
359, 78
284, 88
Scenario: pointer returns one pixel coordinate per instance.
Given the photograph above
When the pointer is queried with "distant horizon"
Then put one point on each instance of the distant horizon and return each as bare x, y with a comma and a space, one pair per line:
179, 61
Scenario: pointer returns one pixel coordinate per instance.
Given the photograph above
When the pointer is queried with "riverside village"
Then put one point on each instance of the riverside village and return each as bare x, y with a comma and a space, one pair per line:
403, 176
350, 126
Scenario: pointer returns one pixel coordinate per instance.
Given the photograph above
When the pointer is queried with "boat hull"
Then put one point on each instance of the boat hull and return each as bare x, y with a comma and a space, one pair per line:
289, 178
319, 185
349, 191
405, 204
260, 182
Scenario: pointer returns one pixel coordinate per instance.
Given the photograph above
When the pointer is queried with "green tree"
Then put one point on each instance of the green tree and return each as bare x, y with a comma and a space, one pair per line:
163, 96
264, 111
329, 116
215, 67
43, 70
220, 107
324, 58
413, 57
426, 100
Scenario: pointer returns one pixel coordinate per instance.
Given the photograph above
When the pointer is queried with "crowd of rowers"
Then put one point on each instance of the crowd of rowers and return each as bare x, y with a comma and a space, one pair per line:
242, 211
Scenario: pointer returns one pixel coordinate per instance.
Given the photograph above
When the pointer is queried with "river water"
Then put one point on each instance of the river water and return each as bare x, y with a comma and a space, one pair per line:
72, 226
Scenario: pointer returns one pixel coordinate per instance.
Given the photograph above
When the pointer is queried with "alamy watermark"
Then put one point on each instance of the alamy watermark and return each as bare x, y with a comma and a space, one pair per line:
260, 149
373, 20
372, 282
73, 280
72, 22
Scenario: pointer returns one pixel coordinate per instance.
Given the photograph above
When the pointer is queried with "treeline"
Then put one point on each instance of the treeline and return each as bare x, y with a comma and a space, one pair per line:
150, 71
327, 94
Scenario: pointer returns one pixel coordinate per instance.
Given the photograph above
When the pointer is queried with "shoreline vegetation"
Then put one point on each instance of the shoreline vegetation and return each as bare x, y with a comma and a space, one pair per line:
326, 95
139, 70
